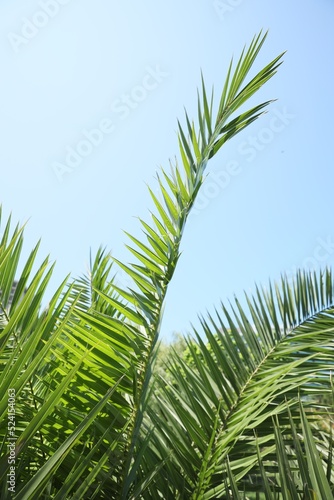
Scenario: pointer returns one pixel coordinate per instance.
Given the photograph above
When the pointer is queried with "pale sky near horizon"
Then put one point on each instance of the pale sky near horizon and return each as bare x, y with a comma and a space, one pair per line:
129, 69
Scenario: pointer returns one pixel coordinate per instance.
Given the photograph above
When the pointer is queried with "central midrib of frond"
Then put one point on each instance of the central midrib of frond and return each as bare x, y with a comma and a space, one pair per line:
248, 383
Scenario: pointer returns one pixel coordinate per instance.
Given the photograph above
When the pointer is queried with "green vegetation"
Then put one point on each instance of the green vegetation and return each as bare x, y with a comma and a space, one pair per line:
244, 411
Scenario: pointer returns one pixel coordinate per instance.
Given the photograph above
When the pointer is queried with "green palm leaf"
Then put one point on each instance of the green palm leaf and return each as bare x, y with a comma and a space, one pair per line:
250, 367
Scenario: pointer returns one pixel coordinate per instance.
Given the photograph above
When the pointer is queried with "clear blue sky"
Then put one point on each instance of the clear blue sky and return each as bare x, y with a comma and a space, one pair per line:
69, 67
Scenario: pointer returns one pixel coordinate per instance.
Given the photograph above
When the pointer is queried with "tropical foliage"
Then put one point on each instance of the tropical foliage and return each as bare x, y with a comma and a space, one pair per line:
246, 414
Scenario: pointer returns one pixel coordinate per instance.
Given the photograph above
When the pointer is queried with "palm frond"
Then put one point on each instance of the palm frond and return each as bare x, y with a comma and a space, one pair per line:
253, 368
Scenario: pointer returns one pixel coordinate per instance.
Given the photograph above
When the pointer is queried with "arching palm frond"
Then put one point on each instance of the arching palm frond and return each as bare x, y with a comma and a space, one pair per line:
251, 371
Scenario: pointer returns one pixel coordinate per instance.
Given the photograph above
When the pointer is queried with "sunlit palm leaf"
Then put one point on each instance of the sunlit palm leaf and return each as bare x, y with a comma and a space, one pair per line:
253, 363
